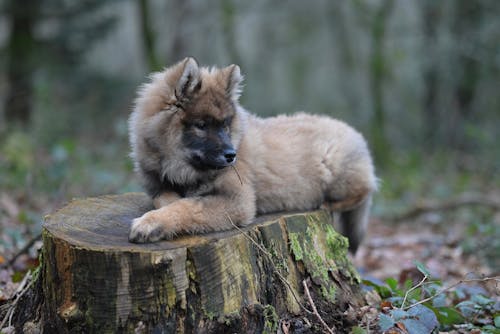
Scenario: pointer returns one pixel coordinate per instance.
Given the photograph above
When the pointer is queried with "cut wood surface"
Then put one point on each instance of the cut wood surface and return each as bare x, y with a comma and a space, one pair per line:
243, 280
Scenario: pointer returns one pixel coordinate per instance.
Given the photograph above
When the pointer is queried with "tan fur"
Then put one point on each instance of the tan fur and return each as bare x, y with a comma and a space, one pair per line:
284, 163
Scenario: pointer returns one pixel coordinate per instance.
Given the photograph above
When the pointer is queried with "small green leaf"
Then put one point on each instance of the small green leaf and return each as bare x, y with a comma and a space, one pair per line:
415, 326
481, 300
422, 268
497, 321
487, 329
467, 308
392, 283
385, 322
414, 295
358, 330
439, 301
396, 301
448, 316
421, 320
408, 284
382, 290
398, 314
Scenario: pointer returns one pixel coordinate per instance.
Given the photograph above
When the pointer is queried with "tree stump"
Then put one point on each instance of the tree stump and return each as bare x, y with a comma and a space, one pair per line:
240, 281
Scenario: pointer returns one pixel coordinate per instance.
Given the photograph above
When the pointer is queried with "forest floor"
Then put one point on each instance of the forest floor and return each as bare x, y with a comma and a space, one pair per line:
391, 250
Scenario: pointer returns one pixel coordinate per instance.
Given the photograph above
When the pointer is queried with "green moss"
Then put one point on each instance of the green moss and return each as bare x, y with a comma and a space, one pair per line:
295, 246
230, 319
171, 294
279, 261
321, 249
210, 315
337, 243
337, 251
271, 320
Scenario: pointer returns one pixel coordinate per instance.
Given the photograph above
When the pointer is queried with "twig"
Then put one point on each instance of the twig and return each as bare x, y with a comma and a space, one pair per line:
266, 253
492, 202
21, 290
25, 249
485, 279
315, 311
238, 174
413, 288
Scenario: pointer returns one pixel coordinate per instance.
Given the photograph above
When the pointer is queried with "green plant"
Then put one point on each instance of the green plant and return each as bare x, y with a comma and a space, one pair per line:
429, 306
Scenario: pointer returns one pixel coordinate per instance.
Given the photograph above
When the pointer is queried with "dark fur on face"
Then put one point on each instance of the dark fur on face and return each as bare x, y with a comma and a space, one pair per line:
206, 124
209, 142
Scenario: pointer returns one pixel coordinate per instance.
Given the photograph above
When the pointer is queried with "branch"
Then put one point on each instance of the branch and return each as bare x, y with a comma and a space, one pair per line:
21, 290
25, 249
485, 279
413, 288
315, 310
492, 202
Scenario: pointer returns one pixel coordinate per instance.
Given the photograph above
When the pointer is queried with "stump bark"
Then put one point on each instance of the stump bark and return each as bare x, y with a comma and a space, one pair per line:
93, 280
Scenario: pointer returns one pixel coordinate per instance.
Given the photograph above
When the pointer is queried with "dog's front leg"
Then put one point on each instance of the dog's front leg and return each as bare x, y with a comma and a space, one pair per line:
165, 199
193, 215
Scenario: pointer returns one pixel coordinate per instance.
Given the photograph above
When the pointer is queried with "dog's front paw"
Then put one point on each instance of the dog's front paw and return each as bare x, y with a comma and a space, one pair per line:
148, 229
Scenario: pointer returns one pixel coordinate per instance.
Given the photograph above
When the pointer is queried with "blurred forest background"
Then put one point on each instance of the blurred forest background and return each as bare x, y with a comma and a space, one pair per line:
420, 78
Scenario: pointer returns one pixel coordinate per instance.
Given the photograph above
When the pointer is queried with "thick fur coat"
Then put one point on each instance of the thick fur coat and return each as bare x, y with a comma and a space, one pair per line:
209, 164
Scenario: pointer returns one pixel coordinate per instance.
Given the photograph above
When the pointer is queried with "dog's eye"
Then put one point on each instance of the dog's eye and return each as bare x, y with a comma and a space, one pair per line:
227, 124
201, 125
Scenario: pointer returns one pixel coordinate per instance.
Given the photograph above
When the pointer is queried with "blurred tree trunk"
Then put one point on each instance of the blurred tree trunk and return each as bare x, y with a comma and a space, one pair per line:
20, 61
339, 26
345, 33
179, 47
378, 73
148, 36
431, 15
228, 28
465, 27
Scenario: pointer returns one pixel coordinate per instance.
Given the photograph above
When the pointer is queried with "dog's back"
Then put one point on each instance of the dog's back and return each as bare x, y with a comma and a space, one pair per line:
303, 161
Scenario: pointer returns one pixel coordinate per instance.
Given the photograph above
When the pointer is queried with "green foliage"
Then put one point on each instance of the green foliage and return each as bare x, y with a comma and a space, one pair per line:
417, 320
358, 330
420, 266
429, 306
16, 158
68, 165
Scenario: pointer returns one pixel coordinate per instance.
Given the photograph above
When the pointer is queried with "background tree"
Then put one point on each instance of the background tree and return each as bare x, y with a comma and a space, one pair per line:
378, 72
375, 17
431, 12
71, 29
21, 60
148, 36
465, 27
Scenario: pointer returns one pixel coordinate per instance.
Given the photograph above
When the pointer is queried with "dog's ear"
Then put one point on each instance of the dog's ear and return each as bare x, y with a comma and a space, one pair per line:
234, 80
189, 81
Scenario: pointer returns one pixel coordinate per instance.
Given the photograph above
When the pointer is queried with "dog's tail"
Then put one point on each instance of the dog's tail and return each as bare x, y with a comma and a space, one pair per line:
353, 223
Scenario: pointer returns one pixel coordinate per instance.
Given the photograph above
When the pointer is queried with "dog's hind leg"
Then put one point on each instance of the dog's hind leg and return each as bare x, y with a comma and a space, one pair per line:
350, 217
354, 222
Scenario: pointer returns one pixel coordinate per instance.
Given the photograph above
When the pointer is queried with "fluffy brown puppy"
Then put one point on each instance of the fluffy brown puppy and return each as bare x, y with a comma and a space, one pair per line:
208, 163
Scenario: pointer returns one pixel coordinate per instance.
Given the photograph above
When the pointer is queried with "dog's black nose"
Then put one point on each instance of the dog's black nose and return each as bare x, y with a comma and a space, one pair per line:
229, 155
